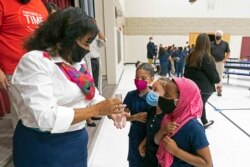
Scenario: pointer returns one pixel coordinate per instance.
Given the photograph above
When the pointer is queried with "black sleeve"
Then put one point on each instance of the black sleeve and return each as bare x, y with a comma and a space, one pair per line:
208, 66
227, 48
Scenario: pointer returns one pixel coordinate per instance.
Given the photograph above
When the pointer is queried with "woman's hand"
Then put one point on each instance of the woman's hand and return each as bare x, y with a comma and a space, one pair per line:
119, 120
170, 145
219, 88
106, 107
3, 80
110, 106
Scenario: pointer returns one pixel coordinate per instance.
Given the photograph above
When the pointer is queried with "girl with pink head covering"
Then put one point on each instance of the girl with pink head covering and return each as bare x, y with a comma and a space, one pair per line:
187, 145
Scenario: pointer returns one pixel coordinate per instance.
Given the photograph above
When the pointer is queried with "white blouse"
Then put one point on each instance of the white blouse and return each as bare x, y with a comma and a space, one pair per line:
45, 97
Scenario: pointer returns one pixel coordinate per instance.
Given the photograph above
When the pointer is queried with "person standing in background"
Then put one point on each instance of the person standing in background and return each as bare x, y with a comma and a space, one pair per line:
99, 42
200, 67
18, 19
180, 62
93, 62
156, 53
150, 50
221, 52
164, 59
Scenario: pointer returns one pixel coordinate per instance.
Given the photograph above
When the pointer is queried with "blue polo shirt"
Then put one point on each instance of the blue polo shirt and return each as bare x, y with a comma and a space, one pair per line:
137, 133
191, 137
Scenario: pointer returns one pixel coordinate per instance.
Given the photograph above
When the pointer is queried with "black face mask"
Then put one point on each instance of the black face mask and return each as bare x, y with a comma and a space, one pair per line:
218, 38
166, 105
79, 53
24, 1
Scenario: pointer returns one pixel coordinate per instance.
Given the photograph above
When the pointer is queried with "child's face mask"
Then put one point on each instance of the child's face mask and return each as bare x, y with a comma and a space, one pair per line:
167, 105
152, 98
141, 84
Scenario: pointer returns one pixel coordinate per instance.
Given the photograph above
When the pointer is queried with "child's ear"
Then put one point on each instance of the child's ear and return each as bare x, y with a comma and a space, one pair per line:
152, 79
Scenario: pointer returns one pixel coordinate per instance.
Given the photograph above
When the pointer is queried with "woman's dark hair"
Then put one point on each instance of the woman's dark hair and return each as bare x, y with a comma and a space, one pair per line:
161, 50
51, 6
58, 34
169, 49
147, 67
24, 1
202, 48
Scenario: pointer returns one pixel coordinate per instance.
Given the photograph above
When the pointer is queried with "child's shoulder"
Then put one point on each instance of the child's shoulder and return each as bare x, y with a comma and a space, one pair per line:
193, 125
193, 122
132, 92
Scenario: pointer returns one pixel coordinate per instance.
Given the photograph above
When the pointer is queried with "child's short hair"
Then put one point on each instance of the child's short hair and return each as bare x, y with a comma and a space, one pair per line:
147, 67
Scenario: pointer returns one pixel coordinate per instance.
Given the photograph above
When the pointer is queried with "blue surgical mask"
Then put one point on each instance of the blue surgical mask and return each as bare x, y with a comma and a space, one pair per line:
152, 98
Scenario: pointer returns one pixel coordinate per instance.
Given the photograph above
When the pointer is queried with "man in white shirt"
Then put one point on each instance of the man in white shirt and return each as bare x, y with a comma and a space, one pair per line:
99, 42
94, 66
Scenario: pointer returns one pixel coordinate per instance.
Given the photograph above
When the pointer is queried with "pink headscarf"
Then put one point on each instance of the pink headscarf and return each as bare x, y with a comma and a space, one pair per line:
189, 106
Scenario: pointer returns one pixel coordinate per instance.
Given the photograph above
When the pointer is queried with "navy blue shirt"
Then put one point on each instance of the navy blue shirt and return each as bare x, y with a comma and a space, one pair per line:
137, 133
150, 50
164, 57
191, 137
153, 126
180, 57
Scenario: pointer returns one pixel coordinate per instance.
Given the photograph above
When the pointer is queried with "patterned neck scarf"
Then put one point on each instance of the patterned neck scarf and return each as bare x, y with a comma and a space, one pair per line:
81, 78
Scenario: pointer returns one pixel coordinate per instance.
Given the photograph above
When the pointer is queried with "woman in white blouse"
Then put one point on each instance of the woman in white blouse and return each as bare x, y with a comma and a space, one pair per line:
55, 93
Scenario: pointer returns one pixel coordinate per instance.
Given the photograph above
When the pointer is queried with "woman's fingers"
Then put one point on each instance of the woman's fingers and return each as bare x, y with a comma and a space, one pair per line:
119, 108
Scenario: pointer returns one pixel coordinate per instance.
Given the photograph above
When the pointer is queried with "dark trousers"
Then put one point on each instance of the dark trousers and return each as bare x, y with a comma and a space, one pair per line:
179, 69
95, 70
205, 97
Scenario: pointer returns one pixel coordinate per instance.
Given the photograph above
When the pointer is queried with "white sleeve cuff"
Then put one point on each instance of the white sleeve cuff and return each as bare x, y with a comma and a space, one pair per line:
97, 98
64, 118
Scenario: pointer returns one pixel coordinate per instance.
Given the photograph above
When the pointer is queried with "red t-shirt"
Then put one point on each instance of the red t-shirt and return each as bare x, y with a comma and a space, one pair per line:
17, 22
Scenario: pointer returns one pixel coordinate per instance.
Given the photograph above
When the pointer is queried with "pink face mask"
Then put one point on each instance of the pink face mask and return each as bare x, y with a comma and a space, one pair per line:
141, 84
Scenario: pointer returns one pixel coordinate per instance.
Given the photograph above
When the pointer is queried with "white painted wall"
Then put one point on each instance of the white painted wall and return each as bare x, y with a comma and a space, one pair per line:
135, 46
182, 8
122, 2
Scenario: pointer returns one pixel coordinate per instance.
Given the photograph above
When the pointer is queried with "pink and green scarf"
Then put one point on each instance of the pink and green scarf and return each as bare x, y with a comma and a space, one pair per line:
81, 78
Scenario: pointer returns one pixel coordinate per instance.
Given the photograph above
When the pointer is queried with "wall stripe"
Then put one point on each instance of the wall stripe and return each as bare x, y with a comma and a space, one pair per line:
183, 26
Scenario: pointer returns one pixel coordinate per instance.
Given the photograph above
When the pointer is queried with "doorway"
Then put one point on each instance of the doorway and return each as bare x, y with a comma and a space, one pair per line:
211, 37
